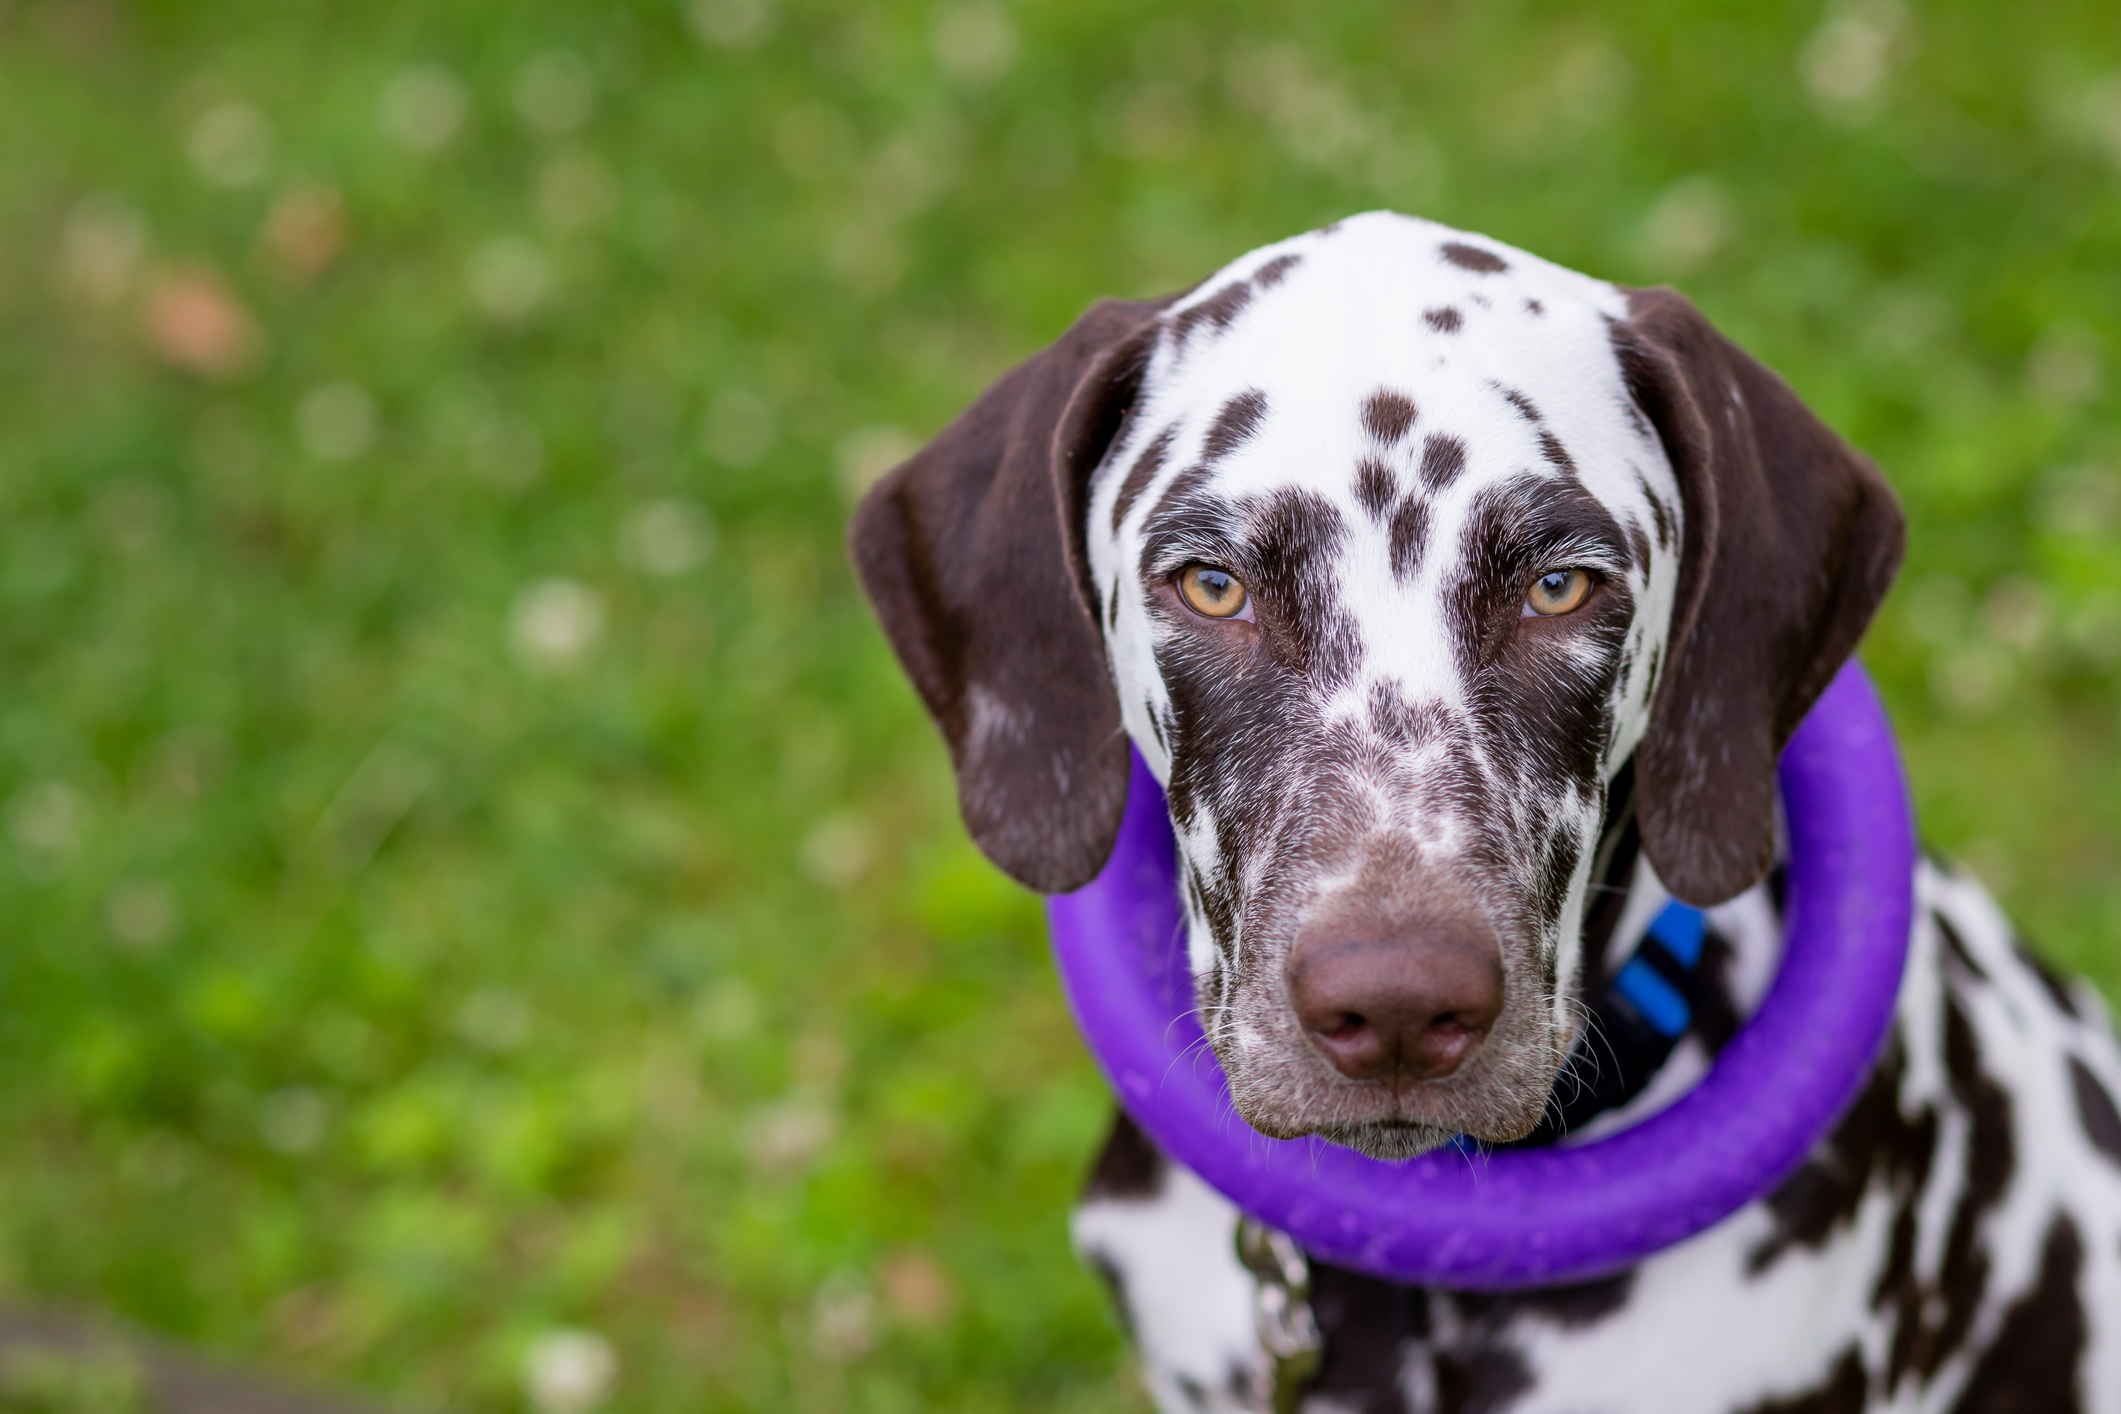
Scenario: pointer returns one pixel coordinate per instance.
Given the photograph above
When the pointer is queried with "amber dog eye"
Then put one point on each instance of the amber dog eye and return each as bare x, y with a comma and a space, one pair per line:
1208, 590
1557, 592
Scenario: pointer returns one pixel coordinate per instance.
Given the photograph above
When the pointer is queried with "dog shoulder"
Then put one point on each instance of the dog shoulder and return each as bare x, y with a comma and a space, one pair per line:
1165, 1245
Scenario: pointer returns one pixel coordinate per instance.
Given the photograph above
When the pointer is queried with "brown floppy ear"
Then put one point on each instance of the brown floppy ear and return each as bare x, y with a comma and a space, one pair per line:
972, 555
1791, 539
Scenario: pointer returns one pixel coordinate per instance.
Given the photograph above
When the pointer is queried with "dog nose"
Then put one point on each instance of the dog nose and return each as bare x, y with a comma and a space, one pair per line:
1399, 1010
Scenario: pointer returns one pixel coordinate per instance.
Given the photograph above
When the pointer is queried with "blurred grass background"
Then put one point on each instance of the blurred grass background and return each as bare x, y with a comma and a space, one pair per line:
484, 920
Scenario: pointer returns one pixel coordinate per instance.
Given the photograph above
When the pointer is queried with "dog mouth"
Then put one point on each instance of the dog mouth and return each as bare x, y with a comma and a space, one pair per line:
1389, 1139
1385, 1125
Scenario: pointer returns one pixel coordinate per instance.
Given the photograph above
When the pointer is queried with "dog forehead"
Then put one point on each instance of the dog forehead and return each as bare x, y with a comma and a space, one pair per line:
1459, 334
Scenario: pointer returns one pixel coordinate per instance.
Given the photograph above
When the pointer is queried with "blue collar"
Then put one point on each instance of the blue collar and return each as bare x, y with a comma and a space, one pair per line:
1636, 1021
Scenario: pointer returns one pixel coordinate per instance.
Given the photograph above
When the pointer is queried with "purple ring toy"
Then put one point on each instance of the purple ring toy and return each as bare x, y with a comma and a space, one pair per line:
1533, 1217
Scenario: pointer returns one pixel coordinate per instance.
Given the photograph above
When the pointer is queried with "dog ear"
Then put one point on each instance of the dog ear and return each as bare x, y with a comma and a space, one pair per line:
1791, 539
972, 554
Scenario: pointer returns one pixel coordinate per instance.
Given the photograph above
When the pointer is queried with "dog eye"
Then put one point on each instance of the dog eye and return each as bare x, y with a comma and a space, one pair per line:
1557, 592
1213, 592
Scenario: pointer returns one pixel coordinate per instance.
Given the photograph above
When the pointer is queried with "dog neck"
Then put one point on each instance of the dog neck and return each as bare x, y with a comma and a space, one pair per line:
1613, 877
1632, 1057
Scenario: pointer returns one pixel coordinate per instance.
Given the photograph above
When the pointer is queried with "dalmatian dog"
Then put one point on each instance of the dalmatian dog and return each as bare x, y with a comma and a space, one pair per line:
1463, 605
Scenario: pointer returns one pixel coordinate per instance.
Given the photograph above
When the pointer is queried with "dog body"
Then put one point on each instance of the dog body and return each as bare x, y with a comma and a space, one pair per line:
1463, 605
1952, 1247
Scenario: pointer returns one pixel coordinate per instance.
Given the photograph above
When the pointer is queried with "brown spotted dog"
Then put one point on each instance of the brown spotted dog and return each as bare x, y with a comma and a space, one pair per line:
1463, 605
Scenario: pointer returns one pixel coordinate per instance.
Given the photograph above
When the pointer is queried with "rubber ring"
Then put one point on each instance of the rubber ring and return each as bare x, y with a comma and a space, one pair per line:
1533, 1217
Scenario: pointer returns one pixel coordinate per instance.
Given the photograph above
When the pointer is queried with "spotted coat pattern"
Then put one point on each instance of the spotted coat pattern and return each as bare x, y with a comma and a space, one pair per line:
1953, 1247
1388, 729
1383, 428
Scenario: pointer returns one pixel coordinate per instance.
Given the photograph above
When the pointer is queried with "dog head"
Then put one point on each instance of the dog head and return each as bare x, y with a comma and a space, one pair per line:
1389, 547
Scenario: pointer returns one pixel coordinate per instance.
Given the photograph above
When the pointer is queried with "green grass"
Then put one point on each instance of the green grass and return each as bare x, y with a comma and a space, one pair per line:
472, 868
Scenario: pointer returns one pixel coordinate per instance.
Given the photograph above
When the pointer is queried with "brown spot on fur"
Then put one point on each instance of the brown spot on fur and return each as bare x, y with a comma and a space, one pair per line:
1559, 854
1234, 424
1526, 408
2057, 989
2033, 1361
1218, 309
1962, 1279
1481, 1380
1410, 532
1141, 474
1443, 457
2095, 1110
1129, 1166
1557, 455
1387, 415
1873, 1141
1658, 509
1375, 486
1399, 722
1639, 542
1297, 537
1186, 514
1535, 307
1469, 257
1443, 319
1582, 1304
1956, 946
1368, 1324
1270, 274
1845, 1390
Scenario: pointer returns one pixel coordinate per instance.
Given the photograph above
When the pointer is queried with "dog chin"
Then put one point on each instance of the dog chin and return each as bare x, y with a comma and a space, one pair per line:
1388, 1139
1403, 1139
1394, 1129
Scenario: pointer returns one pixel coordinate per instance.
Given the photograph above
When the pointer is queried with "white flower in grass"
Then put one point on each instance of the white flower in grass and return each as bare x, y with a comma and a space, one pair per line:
1849, 58
867, 453
101, 247
47, 820
140, 915
1689, 224
730, 1012
839, 850
843, 1319
785, 1138
337, 421
556, 623
424, 107
666, 537
568, 1371
732, 24
509, 278
976, 43
230, 145
293, 1120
